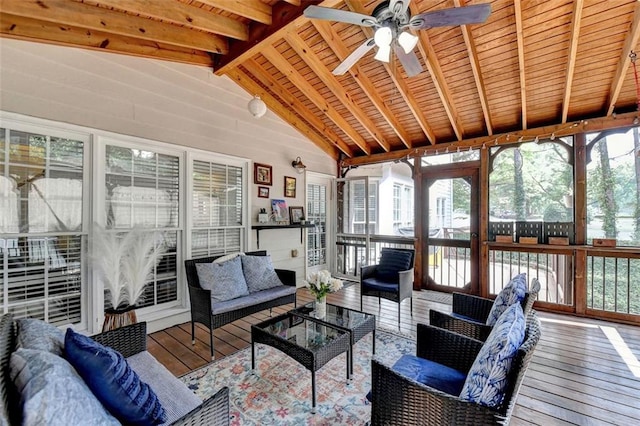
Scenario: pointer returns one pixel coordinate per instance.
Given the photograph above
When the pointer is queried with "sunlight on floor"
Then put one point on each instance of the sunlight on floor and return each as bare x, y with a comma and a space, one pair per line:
614, 338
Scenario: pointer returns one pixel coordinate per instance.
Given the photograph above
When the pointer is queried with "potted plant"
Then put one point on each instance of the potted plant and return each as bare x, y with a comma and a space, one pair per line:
124, 263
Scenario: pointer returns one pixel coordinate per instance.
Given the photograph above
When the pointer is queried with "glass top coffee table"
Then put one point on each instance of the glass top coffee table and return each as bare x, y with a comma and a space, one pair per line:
306, 340
358, 324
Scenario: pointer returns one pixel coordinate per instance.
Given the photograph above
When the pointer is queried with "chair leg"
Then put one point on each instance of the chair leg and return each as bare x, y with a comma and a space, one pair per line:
211, 343
361, 299
270, 312
193, 333
411, 301
399, 316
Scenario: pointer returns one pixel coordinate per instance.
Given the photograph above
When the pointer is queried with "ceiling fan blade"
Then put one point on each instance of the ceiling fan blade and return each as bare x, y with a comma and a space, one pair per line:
350, 60
472, 14
328, 14
409, 61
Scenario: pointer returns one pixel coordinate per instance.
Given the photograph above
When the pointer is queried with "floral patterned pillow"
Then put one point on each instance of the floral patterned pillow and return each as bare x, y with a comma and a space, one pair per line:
487, 378
513, 292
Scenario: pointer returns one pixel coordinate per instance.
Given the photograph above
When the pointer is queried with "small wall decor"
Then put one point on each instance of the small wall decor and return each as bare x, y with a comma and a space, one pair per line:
279, 209
262, 174
289, 186
296, 214
263, 192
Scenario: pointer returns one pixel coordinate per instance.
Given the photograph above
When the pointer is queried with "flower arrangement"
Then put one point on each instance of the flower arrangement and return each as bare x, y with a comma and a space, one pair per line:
321, 283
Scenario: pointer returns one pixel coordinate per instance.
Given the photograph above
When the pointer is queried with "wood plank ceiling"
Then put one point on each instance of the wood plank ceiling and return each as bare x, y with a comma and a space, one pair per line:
535, 67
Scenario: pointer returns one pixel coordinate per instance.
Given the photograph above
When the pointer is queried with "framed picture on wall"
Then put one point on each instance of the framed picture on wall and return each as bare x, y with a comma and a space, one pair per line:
280, 211
262, 174
296, 215
263, 192
289, 186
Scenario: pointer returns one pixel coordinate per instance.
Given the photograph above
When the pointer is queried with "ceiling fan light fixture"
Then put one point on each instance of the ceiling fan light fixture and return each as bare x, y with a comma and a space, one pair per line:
407, 41
383, 37
383, 54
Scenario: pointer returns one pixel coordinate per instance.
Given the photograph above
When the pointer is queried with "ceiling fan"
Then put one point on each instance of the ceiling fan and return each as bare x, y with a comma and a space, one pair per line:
392, 20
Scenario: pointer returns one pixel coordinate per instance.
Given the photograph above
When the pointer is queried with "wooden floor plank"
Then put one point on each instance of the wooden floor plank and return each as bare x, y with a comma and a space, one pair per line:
576, 376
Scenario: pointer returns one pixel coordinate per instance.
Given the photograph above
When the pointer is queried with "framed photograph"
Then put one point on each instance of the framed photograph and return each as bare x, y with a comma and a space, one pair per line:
296, 214
263, 192
280, 211
289, 186
262, 174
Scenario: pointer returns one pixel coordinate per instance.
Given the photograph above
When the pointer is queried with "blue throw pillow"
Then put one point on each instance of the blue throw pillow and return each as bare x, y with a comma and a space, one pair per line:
513, 292
392, 262
259, 273
39, 335
487, 378
224, 279
112, 381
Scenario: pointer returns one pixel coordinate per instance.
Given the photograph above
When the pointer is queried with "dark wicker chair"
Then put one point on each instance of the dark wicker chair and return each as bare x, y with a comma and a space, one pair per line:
476, 310
396, 291
128, 341
396, 400
200, 299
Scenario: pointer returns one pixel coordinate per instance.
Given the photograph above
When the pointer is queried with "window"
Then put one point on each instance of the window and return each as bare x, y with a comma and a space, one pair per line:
142, 190
42, 242
217, 205
613, 209
358, 205
402, 206
317, 236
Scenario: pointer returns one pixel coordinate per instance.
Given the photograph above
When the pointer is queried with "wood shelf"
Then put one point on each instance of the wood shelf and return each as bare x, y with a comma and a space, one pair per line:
259, 228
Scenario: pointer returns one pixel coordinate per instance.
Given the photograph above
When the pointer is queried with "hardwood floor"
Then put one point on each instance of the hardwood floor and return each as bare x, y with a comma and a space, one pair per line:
583, 371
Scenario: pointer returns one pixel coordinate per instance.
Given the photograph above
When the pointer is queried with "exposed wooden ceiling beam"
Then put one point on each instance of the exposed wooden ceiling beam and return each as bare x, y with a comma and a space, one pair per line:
295, 104
565, 129
520, 40
571, 55
183, 14
623, 64
287, 18
477, 72
52, 33
105, 20
252, 9
314, 96
400, 84
332, 83
293, 2
437, 76
253, 88
326, 30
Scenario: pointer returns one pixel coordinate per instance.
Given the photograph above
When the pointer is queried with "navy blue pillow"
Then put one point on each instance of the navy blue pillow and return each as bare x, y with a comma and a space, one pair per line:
392, 262
112, 381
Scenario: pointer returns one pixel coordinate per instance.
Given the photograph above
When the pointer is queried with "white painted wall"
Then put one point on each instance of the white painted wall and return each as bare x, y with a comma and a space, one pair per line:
166, 102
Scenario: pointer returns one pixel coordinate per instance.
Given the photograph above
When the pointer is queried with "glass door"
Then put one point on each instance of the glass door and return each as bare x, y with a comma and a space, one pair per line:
450, 223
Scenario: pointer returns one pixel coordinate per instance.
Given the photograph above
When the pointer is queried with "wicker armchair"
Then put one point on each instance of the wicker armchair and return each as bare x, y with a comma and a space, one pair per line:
469, 313
397, 400
395, 290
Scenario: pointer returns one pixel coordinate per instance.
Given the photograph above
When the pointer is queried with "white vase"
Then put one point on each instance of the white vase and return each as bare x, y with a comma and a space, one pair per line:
321, 307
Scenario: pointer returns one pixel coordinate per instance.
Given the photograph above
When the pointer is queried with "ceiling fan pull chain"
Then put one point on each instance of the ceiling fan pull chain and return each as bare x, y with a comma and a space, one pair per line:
633, 57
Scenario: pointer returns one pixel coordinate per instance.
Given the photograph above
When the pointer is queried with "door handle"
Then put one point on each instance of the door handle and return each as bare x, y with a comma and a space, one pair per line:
474, 235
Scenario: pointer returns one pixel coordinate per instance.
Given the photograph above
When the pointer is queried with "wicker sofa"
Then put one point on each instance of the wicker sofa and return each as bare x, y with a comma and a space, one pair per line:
214, 315
129, 341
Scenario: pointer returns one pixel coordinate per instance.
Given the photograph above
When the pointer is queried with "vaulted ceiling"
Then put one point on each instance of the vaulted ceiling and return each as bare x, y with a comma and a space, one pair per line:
535, 68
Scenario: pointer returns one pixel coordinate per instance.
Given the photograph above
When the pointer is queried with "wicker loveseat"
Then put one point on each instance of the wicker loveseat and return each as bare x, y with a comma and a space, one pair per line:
214, 315
129, 341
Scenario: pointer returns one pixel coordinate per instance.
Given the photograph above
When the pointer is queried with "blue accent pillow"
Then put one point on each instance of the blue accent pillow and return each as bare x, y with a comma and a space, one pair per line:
513, 292
432, 374
39, 335
487, 378
259, 273
392, 262
224, 279
112, 381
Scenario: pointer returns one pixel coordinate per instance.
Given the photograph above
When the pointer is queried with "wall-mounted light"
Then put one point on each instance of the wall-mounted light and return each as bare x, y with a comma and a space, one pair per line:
298, 165
257, 107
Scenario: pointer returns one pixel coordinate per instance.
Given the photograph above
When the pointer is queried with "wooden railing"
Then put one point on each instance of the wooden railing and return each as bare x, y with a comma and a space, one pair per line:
354, 251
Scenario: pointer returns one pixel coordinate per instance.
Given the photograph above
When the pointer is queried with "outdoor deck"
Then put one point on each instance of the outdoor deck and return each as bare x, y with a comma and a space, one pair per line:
583, 371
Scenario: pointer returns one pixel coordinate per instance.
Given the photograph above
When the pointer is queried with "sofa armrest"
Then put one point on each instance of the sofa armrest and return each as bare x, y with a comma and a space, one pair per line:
214, 411
405, 283
287, 277
478, 331
128, 340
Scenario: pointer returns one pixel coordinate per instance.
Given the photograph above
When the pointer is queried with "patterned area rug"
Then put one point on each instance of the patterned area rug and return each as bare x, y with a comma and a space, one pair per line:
280, 392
